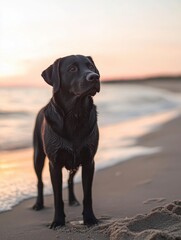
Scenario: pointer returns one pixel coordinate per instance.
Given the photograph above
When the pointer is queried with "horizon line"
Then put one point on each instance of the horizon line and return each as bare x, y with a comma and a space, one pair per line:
108, 80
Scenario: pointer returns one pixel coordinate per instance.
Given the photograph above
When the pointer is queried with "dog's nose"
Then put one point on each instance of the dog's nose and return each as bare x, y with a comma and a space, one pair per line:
92, 77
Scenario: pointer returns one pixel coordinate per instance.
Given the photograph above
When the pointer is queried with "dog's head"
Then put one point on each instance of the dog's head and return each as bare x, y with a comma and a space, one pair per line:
75, 74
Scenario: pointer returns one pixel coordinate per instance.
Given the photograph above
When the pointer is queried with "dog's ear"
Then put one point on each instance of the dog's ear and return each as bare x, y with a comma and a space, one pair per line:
51, 75
96, 70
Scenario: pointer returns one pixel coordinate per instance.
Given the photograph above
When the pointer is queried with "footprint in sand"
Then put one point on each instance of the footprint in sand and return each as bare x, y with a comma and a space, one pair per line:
154, 200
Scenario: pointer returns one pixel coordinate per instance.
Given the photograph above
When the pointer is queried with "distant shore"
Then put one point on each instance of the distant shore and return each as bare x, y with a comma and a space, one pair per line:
170, 83
144, 79
129, 189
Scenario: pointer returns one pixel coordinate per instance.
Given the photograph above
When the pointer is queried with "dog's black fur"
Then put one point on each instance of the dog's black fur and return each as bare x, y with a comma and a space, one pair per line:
66, 132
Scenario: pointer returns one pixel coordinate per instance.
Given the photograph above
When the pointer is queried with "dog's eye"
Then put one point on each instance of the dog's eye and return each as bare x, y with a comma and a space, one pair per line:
73, 69
91, 67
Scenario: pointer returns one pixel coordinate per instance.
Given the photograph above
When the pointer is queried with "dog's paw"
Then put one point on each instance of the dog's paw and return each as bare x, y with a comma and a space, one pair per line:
90, 220
38, 206
57, 224
74, 203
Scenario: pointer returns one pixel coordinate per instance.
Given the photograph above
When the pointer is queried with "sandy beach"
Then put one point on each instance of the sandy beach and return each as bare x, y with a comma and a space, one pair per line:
135, 199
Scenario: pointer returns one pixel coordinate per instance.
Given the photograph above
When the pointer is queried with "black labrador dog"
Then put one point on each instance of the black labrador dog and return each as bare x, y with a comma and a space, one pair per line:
66, 132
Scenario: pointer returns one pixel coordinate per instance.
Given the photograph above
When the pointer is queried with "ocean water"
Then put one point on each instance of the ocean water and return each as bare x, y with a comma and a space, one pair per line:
125, 112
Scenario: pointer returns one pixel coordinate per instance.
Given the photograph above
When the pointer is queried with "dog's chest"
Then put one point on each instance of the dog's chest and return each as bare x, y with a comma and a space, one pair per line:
76, 128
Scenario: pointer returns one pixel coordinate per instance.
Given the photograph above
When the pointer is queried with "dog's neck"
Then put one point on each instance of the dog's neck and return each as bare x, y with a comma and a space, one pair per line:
75, 105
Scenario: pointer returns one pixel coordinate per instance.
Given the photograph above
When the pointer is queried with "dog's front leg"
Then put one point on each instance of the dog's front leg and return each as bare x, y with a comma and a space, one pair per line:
87, 178
56, 178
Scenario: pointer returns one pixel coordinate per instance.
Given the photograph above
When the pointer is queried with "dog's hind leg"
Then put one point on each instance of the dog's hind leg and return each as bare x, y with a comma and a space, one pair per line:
71, 196
39, 159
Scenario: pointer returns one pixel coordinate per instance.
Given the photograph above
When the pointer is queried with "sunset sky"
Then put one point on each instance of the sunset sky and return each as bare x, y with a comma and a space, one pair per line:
133, 38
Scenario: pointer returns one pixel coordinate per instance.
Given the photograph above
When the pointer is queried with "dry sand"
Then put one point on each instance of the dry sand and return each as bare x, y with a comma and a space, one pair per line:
132, 200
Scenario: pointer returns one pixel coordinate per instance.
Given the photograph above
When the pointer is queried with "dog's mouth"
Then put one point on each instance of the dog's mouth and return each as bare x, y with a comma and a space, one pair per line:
91, 91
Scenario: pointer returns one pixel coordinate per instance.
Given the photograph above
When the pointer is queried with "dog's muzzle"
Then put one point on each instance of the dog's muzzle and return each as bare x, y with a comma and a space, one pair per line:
93, 79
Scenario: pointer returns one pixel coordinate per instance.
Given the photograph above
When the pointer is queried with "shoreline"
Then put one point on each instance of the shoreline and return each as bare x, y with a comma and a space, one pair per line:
136, 187
124, 190
118, 150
